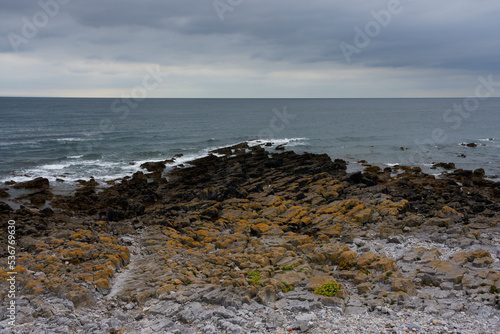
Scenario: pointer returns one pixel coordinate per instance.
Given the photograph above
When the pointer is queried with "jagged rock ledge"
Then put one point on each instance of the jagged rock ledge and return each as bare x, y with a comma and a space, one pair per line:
240, 241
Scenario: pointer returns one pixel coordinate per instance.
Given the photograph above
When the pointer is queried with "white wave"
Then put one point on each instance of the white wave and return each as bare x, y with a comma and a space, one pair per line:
68, 139
23, 142
76, 169
42, 140
280, 141
55, 166
73, 171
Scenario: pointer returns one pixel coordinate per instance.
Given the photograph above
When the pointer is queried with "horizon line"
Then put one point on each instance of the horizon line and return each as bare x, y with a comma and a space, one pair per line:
240, 98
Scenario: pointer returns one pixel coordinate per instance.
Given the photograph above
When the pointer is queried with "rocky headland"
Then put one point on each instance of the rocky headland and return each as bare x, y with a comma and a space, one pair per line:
258, 240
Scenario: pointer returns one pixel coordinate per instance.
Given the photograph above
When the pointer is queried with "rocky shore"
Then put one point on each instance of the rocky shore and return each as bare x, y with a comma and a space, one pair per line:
258, 240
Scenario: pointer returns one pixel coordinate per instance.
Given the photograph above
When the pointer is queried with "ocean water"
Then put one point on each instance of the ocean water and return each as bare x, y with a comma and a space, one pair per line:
71, 138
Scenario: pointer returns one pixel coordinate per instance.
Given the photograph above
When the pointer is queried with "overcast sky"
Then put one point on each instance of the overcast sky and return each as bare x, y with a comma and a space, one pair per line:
248, 48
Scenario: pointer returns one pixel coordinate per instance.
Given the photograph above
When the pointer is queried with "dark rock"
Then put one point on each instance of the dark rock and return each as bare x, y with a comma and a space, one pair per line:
38, 198
38, 183
115, 215
373, 169
461, 173
356, 177
444, 165
479, 173
233, 192
340, 164
47, 212
416, 170
372, 177
4, 193
91, 183
158, 166
5, 208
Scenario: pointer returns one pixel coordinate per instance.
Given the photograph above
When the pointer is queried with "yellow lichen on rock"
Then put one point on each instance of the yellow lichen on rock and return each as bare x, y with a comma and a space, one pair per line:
260, 228
351, 211
390, 208
62, 266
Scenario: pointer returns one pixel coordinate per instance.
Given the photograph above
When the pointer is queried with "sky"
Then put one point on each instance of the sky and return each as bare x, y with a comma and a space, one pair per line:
249, 48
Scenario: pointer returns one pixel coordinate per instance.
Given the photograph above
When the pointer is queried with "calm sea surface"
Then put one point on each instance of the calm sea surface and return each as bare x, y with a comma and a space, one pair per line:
74, 139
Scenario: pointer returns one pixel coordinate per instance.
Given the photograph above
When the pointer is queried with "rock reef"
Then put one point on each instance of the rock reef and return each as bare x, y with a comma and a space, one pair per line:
252, 240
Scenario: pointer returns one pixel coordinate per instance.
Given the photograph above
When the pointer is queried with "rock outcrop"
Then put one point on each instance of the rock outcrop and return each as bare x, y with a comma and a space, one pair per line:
255, 238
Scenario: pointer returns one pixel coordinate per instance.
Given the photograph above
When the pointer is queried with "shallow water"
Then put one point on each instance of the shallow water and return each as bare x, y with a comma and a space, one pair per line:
71, 139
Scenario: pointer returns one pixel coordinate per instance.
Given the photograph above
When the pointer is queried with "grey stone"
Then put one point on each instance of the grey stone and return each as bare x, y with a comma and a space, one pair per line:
167, 308
191, 312
358, 242
129, 306
447, 286
61, 329
432, 309
456, 306
44, 309
210, 329
355, 301
274, 320
395, 239
298, 306
224, 298
413, 325
121, 316
179, 329
448, 315
431, 280
24, 315
114, 324
161, 324
231, 328
127, 240
206, 315
305, 321
223, 312
334, 303
238, 321
88, 323
355, 310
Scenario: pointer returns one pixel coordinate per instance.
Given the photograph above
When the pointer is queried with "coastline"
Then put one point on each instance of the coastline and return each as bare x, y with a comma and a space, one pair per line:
243, 237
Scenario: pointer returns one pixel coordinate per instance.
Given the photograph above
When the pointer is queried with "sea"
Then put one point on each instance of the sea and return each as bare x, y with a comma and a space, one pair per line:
69, 139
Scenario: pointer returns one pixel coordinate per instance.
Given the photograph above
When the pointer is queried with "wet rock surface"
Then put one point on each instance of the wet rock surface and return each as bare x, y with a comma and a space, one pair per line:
248, 242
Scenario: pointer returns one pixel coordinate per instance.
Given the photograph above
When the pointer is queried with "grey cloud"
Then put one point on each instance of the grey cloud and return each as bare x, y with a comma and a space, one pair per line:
459, 35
